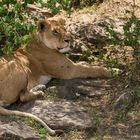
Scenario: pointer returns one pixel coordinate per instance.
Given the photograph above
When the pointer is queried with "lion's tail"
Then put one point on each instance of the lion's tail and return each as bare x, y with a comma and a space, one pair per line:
4, 111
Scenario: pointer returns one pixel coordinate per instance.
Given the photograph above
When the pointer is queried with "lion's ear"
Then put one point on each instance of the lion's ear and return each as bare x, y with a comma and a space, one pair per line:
42, 25
58, 21
48, 14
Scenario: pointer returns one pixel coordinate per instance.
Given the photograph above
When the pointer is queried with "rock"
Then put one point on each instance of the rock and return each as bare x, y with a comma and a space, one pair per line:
88, 28
89, 33
90, 91
17, 131
60, 114
124, 101
72, 89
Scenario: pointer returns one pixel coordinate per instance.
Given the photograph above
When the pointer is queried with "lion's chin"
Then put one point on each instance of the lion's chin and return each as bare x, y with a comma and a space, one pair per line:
64, 50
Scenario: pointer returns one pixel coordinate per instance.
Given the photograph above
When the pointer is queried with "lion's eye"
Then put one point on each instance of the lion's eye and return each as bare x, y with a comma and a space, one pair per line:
55, 32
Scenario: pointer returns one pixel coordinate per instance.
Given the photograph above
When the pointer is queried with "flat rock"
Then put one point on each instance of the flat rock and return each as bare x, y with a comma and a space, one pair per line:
71, 89
60, 114
17, 131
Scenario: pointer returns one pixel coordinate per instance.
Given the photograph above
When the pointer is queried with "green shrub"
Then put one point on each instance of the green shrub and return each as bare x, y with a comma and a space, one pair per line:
131, 33
14, 28
130, 37
13, 25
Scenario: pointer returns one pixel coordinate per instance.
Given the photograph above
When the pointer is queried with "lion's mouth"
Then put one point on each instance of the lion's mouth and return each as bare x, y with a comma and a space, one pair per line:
64, 50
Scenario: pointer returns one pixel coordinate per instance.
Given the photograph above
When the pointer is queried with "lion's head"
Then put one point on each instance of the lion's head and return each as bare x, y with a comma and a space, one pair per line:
53, 34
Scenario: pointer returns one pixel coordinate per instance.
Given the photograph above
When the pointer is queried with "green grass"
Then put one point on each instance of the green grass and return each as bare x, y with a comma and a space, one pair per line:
136, 90
42, 131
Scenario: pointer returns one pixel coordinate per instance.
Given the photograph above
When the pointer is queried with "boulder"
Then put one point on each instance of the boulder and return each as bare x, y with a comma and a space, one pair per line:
17, 131
60, 114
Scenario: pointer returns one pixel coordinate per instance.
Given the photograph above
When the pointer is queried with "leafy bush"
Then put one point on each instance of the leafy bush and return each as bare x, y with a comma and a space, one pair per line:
137, 90
56, 5
131, 30
16, 21
13, 25
130, 37
14, 15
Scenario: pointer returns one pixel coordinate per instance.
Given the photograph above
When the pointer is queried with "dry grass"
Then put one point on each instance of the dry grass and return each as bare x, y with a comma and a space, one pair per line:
114, 8
119, 8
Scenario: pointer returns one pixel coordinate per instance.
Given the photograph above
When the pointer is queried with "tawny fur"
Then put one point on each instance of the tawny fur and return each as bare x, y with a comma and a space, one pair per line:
22, 71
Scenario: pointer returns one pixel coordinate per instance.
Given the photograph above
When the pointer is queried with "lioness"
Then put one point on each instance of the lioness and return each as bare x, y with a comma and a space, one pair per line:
24, 74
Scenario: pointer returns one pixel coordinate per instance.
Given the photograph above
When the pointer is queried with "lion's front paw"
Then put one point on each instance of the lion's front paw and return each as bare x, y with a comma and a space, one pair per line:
39, 93
38, 88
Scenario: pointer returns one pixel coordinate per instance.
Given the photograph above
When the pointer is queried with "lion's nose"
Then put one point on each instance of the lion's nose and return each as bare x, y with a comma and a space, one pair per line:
59, 48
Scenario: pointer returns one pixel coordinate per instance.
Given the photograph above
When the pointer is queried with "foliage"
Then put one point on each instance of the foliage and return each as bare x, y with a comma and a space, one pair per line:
16, 21
86, 55
137, 90
131, 33
13, 25
42, 131
130, 37
131, 30
56, 5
